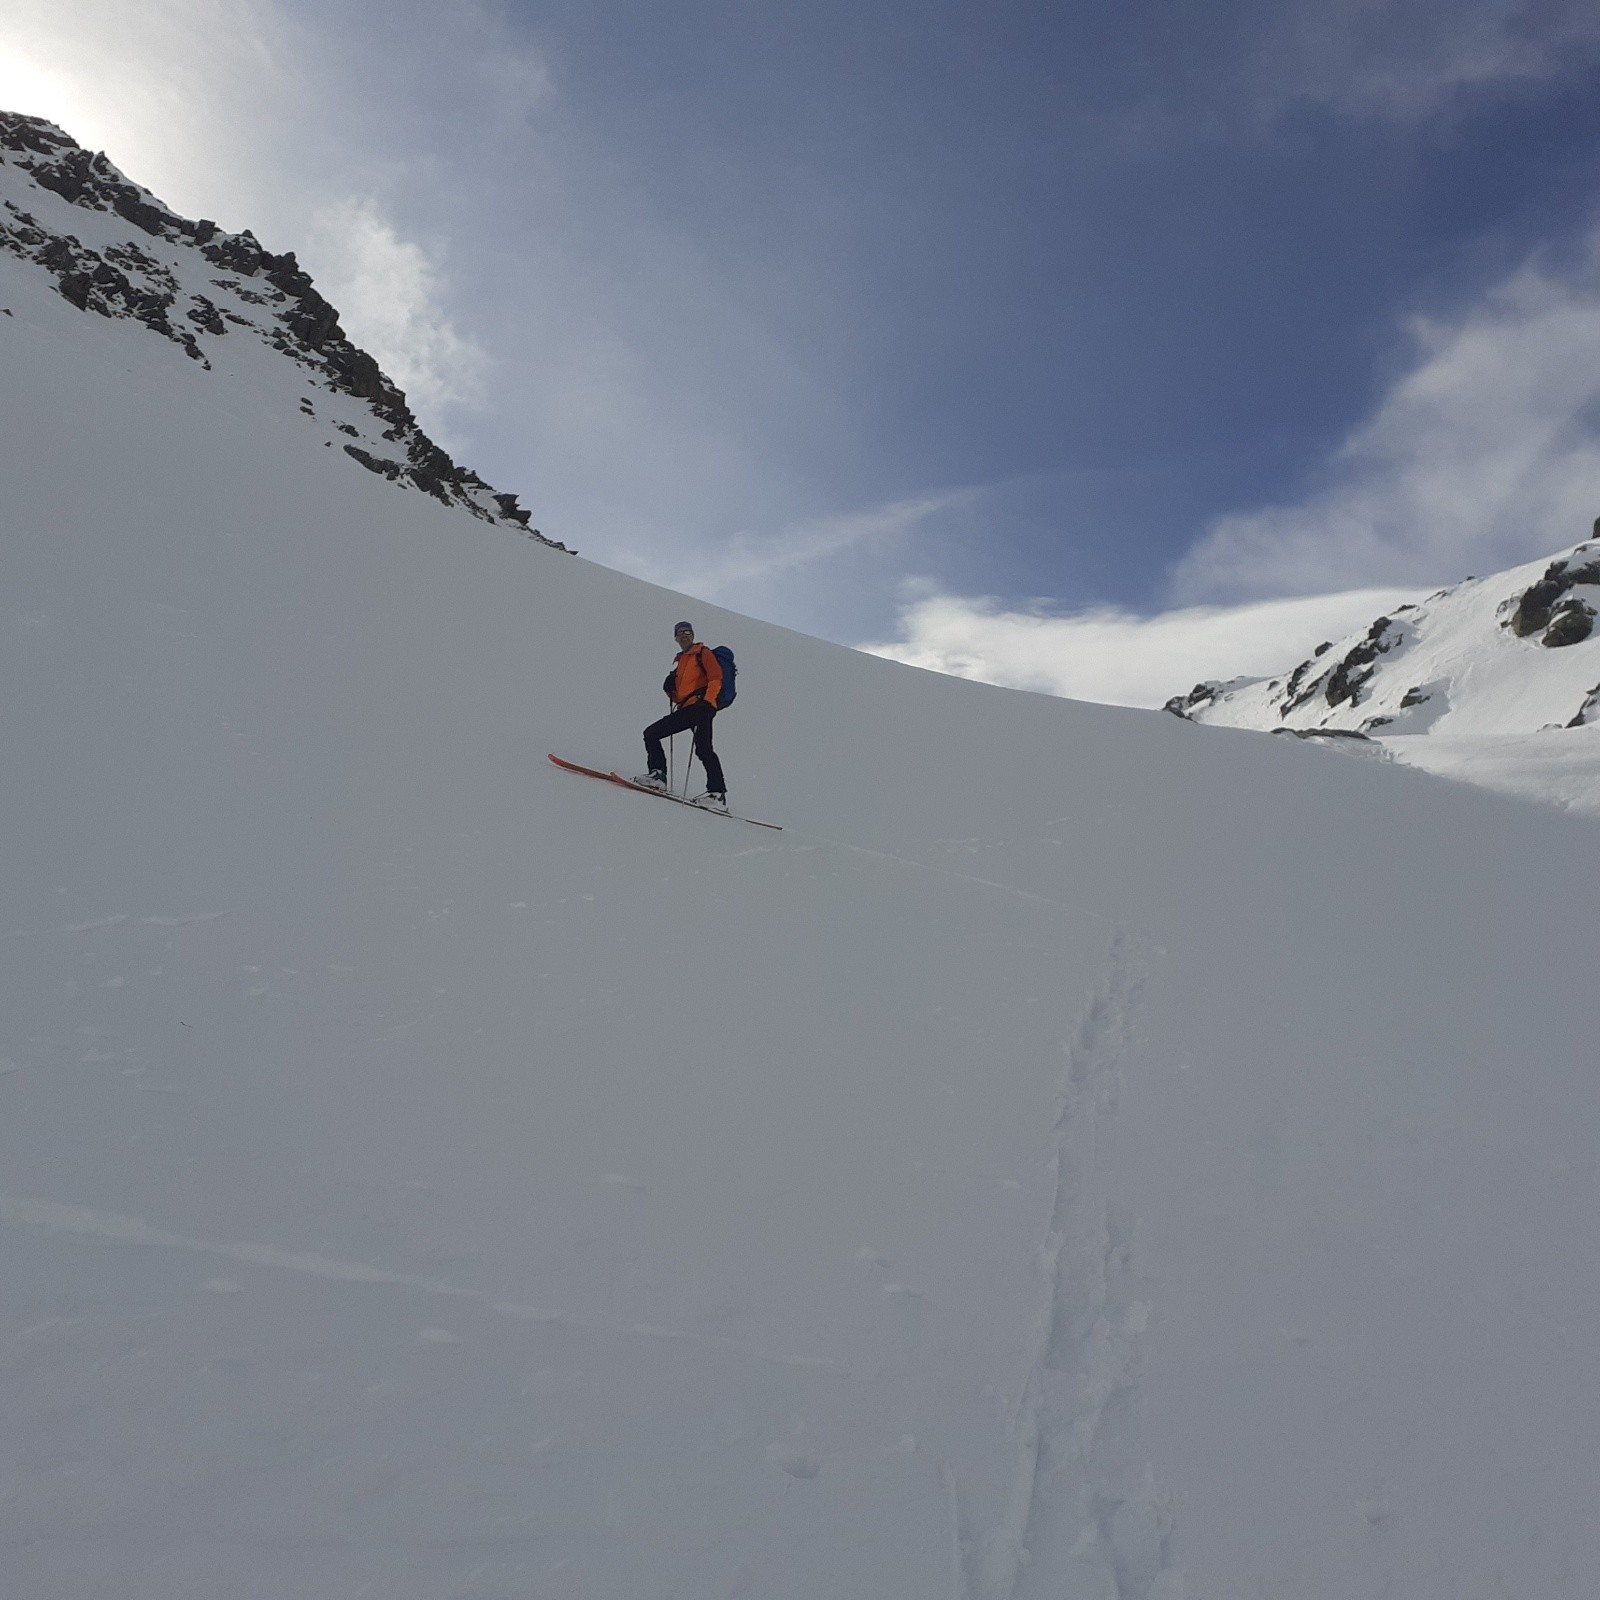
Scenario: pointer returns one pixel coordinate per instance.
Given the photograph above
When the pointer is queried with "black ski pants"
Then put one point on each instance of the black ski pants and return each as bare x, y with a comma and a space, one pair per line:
698, 716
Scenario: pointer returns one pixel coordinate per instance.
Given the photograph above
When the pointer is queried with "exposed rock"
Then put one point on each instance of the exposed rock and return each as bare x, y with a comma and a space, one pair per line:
391, 470
1180, 705
1294, 695
1346, 680
1537, 604
1570, 623
1591, 705
508, 505
206, 316
1457, 665
1203, 695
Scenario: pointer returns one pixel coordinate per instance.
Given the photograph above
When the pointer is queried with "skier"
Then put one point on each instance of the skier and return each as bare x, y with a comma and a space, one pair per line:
693, 686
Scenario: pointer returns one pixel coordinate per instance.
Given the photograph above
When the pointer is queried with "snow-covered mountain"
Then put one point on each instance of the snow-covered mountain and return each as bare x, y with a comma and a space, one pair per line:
1494, 680
110, 247
1081, 1156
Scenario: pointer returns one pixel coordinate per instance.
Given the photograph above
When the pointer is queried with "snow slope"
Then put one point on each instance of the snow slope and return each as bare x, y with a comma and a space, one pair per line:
1494, 681
1083, 1155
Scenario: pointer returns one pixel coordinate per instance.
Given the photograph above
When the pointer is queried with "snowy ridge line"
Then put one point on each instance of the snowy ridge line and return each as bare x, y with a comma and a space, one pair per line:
55, 1217
1491, 681
1078, 1495
108, 246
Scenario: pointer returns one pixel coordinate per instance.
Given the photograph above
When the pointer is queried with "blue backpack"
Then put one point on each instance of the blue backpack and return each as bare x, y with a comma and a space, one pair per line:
729, 673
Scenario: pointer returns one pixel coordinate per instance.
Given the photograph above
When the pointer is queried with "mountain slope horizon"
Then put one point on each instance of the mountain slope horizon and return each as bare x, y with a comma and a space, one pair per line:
1082, 1155
139, 261
1493, 681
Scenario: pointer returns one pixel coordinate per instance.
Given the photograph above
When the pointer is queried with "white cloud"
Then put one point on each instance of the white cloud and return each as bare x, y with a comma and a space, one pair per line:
1119, 658
229, 109
389, 295
1484, 454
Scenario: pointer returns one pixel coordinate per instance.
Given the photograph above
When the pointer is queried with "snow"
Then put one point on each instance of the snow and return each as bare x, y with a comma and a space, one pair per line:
1452, 689
1082, 1155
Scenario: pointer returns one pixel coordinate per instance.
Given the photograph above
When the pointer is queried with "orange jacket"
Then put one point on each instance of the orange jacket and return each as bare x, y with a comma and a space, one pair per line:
696, 675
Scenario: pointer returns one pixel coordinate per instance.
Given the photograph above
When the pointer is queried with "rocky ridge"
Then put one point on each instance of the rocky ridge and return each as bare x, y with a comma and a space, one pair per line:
1496, 628
110, 247
1495, 680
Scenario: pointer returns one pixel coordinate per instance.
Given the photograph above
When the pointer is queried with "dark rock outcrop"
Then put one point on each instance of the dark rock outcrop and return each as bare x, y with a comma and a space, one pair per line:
385, 469
1536, 607
1295, 691
1590, 709
1350, 675
1570, 623
1180, 705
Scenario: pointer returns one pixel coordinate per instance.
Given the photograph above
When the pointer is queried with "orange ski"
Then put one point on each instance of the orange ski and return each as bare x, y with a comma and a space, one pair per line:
661, 794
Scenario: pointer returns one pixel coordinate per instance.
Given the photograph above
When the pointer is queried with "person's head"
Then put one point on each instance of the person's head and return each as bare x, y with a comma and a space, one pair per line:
684, 634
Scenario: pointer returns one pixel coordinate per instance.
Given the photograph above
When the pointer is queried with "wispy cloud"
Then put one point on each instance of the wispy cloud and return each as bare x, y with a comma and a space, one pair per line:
752, 559
1237, 71
226, 108
1410, 60
1485, 453
1117, 657
391, 297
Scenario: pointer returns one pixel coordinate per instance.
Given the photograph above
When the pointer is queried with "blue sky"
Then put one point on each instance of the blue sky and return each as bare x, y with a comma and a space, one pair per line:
864, 317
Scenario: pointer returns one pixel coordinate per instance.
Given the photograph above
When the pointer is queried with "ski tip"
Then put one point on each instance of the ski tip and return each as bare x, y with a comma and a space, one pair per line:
587, 772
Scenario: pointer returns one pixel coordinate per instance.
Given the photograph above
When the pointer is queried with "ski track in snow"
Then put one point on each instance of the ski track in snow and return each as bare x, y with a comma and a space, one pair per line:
958, 1564
1079, 1493
54, 1217
943, 872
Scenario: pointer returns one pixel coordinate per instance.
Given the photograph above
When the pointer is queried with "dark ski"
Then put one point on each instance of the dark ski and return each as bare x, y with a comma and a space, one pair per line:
639, 788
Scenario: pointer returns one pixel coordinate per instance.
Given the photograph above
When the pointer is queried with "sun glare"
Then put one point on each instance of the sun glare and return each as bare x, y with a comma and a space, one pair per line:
31, 89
